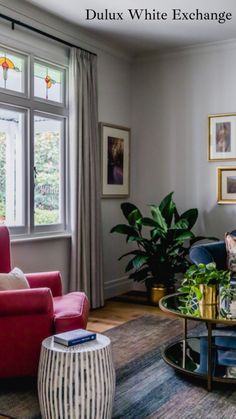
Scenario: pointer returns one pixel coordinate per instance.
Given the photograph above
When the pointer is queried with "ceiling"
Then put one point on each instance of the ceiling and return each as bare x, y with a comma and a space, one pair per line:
139, 36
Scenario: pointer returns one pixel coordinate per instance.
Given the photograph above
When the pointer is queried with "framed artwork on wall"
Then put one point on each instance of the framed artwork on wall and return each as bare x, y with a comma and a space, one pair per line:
226, 185
222, 137
115, 159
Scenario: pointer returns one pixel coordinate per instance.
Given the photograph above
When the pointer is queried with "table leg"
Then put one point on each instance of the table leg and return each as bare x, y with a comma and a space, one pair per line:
209, 357
185, 332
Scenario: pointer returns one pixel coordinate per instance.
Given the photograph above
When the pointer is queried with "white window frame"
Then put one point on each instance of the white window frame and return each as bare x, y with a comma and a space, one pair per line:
35, 106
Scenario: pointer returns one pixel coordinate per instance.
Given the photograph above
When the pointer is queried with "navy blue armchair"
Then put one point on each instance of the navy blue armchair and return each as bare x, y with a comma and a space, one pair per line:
210, 252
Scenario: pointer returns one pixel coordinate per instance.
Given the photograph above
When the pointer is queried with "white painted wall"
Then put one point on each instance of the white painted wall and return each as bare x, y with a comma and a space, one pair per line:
172, 97
43, 256
114, 106
114, 89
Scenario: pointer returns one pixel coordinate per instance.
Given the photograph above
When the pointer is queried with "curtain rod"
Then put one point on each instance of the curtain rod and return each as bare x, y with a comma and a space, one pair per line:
46, 34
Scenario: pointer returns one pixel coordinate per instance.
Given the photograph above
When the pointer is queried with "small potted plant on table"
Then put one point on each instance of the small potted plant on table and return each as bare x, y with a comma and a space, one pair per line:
163, 242
203, 282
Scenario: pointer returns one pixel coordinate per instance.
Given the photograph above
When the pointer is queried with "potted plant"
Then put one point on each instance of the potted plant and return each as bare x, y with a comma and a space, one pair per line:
203, 282
163, 241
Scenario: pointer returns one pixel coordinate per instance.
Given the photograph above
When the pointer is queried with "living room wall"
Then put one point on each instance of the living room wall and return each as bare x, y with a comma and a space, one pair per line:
114, 93
172, 95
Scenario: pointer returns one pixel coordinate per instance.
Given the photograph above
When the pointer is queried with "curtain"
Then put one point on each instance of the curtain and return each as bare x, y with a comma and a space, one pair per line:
86, 270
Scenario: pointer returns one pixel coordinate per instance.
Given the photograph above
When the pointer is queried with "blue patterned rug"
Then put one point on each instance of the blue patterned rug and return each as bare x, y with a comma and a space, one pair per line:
146, 386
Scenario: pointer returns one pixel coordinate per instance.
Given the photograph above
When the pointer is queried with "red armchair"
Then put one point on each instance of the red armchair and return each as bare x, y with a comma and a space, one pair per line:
30, 315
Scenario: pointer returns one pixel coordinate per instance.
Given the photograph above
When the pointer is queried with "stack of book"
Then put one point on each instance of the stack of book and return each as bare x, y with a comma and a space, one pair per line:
74, 337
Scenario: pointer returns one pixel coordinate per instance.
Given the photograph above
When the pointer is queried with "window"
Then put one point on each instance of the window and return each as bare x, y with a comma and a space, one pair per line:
33, 126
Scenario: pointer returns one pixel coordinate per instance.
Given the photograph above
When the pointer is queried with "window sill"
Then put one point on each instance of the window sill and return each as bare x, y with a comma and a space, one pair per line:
36, 238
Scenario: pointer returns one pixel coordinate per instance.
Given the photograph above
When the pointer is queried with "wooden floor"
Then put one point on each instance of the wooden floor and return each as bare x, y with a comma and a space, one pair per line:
115, 313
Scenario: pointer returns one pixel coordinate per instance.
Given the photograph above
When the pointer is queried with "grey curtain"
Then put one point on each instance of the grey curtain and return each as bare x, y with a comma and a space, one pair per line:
86, 271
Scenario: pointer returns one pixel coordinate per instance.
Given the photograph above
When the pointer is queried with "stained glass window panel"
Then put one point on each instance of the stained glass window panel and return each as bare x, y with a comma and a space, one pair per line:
48, 82
47, 166
12, 69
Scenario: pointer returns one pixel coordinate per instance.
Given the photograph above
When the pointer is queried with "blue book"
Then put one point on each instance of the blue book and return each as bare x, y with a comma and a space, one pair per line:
74, 337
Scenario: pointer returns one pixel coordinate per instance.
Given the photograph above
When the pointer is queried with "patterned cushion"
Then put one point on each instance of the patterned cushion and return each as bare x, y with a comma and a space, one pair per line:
230, 243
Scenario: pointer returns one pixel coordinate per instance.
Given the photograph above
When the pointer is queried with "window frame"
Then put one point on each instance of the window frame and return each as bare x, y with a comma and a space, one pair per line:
32, 106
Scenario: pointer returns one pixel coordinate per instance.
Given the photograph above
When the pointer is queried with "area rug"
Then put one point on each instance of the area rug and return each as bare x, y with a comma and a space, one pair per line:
146, 387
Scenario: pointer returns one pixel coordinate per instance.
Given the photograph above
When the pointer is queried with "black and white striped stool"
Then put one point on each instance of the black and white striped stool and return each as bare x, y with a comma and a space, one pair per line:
76, 382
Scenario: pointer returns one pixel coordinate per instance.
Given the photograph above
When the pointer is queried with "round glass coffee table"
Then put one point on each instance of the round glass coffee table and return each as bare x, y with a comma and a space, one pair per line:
211, 357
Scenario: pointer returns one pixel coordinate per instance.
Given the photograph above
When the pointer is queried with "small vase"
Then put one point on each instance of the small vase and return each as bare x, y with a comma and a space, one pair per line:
209, 294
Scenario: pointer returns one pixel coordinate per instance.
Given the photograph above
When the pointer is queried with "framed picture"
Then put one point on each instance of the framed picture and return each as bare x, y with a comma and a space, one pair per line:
226, 185
115, 160
222, 137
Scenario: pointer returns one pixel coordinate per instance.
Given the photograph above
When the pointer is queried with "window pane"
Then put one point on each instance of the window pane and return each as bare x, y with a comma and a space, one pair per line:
11, 167
11, 71
48, 82
47, 162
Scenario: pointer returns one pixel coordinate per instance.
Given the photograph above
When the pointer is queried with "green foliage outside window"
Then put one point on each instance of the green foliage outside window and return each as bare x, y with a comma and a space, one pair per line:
47, 177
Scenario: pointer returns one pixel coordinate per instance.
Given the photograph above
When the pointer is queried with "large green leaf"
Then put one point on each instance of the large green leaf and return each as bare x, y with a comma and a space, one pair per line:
129, 266
139, 261
149, 222
182, 224
156, 234
191, 216
135, 218
124, 229
133, 252
157, 216
167, 208
127, 208
187, 235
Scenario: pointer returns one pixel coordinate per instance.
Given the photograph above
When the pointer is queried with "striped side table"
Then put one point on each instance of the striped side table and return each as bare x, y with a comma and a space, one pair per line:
76, 382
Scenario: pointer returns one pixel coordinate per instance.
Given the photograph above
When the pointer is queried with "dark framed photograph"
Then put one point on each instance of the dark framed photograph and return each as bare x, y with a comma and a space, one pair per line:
226, 185
222, 137
115, 170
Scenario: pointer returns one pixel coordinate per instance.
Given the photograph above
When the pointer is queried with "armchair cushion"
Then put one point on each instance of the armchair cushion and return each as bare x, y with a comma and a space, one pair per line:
13, 281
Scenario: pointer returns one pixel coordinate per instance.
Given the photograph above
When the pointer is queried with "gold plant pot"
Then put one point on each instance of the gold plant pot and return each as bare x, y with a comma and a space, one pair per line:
157, 292
208, 311
209, 294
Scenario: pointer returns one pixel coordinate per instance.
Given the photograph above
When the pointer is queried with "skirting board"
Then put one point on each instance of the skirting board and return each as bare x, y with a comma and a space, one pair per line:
117, 286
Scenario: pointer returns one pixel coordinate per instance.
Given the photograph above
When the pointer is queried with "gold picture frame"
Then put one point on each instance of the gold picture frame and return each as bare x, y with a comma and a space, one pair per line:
222, 137
115, 160
226, 190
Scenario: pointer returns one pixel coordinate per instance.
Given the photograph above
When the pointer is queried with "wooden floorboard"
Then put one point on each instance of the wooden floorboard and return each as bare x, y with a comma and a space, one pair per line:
115, 313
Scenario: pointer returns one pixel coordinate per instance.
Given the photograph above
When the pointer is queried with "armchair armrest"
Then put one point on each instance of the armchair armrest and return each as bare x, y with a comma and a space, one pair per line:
26, 302
50, 280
